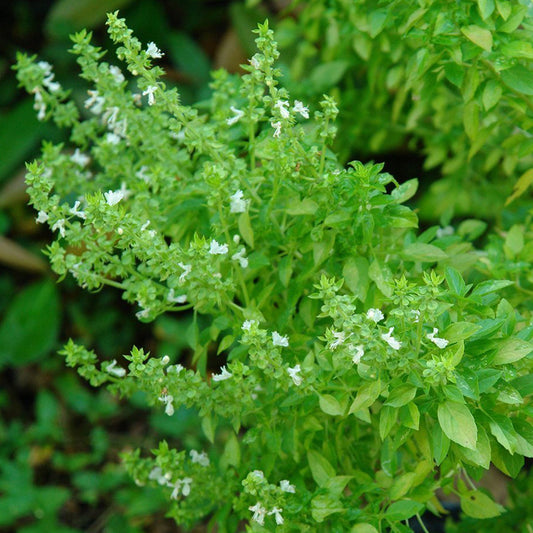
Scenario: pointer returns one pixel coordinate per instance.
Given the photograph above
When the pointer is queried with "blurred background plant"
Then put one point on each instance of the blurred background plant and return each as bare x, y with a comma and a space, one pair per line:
59, 438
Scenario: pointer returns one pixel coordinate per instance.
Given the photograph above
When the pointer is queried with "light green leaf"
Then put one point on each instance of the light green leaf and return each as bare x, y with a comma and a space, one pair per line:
519, 78
387, 418
478, 505
481, 455
440, 444
403, 510
245, 229
363, 528
232, 452
366, 396
471, 119
330, 405
304, 207
321, 469
512, 350
486, 8
355, 274
479, 36
426, 253
401, 395
324, 505
492, 92
521, 186
375, 273
458, 423
405, 191
376, 21
401, 485
327, 75
514, 241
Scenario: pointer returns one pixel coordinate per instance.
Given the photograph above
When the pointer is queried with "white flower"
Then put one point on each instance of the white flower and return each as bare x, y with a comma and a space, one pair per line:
42, 217
277, 128
45, 67
237, 204
143, 313
39, 104
300, 108
416, 314
255, 62
157, 474
200, 458
112, 369
375, 315
441, 343
76, 211
180, 299
247, 324
141, 174
153, 51
278, 340
239, 256
217, 249
259, 513
186, 271
95, 102
444, 232
237, 115
165, 360
150, 93
286, 486
224, 374
174, 369
60, 225
51, 85
112, 138
339, 336
116, 73
294, 373
276, 511
167, 399
390, 340
111, 115
358, 353
80, 158
113, 197
282, 105
258, 474
181, 484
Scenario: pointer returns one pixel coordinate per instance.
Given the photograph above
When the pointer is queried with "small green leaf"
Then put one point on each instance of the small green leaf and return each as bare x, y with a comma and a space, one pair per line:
405, 191
486, 287
330, 405
401, 395
401, 485
455, 281
363, 528
426, 253
521, 186
366, 396
321, 469
327, 75
403, 510
492, 92
387, 418
514, 241
304, 207
458, 423
471, 119
245, 229
208, 427
486, 8
460, 331
376, 274
324, 505
481, 455
479, 36
376, 21
478, 505
512, 350
519, 78
440, 444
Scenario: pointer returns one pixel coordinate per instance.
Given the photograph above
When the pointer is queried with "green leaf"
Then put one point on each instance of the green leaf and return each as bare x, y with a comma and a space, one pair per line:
512, 350
405, 191
492, 92
419, 251
209, 427
460, 331
232, 452
403, 510
321, 469
30, 328
355, 274
376, 21
366, 396
458, 423
478, 505
471, 119
502, 428
245, 229
327, 75
304, 207
519, 78
514, 241
486, 8
387, 418
401, 485
330, 405
482, 454
455, 281
440, 444
376, 274
521, 186
324, 505
486, 287
336, 485
479, 36
401, 395
363, 528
